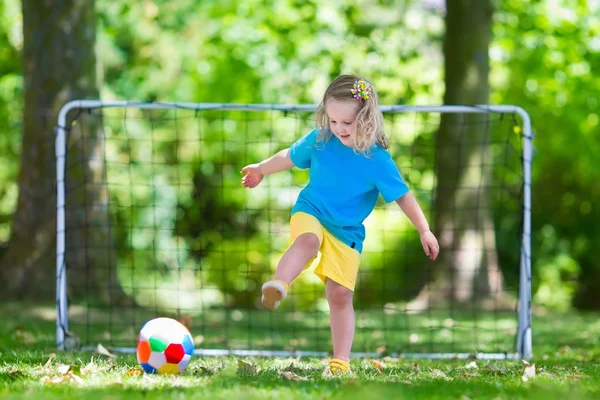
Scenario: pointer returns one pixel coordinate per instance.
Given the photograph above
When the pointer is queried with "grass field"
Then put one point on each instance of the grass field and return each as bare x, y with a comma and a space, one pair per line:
566, 365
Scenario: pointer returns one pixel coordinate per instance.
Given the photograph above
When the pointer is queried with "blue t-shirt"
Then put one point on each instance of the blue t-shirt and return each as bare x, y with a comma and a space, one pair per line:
344, 185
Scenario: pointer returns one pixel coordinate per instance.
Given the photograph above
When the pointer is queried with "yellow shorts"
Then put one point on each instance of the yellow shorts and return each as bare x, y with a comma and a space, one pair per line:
338, 261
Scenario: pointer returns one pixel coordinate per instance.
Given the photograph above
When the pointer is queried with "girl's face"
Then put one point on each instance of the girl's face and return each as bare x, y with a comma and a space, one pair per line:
342, 119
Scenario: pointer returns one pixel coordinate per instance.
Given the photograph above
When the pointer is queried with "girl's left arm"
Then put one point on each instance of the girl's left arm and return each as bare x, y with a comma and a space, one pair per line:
413, 211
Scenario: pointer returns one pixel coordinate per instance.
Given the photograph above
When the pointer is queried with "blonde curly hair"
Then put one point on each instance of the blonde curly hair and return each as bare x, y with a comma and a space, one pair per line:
369, 120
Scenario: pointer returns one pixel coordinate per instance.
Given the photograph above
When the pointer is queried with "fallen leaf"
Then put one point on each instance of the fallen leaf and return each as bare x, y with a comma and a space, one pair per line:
15, 372
290, 376
575, 376
67, 376
133, 372
54, 380
245, 367
378, 365
49, 362
207, 371
102, 350
286, 364
529, 371
327, 373
90, 368
64, 369
76, 378
439, 374
471, 365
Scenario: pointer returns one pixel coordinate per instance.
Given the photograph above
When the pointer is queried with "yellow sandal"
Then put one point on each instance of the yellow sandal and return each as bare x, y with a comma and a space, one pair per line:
337, 366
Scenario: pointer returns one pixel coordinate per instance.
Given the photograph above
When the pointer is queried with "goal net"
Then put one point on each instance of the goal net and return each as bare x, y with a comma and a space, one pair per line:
152, 220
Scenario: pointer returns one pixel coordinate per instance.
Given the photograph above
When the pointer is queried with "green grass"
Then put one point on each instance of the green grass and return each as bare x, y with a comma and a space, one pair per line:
440, 331
567, 365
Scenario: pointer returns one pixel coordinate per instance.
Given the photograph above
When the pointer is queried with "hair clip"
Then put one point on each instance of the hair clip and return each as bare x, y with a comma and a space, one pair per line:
361, 90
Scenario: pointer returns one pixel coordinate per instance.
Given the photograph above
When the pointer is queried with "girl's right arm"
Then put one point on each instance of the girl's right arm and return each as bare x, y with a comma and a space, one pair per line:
254, 173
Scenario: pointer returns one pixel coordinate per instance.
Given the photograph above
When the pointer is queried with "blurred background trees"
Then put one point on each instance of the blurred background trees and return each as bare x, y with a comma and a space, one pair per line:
466, 70
59, 64
542, 55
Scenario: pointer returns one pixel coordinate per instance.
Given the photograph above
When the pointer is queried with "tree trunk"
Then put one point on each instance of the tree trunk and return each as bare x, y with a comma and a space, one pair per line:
59, 65
467, 268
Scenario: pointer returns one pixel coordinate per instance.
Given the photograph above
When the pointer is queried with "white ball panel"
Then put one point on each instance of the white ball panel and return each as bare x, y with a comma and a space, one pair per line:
169, 329
144, 335
184, 362
157, 360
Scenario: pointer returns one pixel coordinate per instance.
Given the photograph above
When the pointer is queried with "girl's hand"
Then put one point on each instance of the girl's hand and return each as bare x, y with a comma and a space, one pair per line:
430, 244
252, 176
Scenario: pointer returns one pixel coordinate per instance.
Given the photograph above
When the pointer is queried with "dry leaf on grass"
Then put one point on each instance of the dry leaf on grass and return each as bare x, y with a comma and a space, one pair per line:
439, 374
89, 369
378, 365
133, 372
204, 370
246, 367
49, 362
64, 369
102, 350
76, 378
286, 364
56, 379
529, 371
15, 372
290, 376
66, 375
575, 376
471, 365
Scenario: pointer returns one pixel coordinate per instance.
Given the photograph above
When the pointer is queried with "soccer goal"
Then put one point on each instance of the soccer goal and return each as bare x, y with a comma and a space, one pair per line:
152, 220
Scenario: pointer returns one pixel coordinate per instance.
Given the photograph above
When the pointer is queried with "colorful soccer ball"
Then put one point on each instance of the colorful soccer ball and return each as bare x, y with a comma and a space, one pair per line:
165, 346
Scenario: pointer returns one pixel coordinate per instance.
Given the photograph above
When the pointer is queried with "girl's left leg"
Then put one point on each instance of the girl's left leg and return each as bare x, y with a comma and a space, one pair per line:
341, 317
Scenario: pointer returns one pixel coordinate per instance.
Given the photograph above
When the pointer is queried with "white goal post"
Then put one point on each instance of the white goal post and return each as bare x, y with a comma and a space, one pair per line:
523, 334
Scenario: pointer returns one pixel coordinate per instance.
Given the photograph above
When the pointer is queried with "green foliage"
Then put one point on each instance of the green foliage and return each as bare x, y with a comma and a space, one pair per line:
11, 109
544, 55
543, 58
273, 51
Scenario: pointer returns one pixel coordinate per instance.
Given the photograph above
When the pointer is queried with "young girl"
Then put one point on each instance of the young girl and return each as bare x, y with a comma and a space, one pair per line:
349, 166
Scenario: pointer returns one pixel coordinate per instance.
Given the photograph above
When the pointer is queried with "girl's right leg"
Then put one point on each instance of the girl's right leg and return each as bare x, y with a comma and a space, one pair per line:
292, 263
